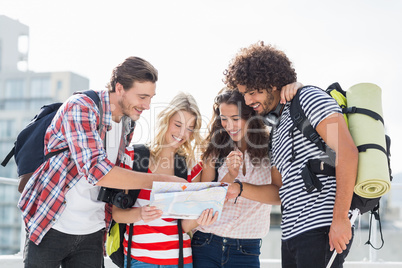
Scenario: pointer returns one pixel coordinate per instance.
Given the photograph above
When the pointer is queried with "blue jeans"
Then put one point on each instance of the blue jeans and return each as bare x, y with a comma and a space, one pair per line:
140, 264
311, 249
57, 248
210, 251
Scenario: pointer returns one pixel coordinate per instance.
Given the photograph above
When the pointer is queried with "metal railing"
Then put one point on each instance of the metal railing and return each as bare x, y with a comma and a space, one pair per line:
8, 181
14, 182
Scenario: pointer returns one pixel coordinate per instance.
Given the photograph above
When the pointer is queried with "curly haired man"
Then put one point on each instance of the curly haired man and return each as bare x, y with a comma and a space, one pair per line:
316, 223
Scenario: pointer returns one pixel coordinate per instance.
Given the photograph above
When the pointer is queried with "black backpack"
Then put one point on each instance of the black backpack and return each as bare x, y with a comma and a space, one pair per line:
28, 150
141, 164
326, 165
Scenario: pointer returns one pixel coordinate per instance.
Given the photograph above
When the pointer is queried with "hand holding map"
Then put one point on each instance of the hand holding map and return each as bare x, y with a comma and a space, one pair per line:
188, 200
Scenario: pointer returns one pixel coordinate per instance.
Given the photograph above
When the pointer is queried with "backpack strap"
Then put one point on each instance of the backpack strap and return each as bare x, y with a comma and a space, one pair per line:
95, 97
130, 239
364, 147
181, 254
141, 158
388, 144
180, 170
180, 166
141, 164
141, 161
218, 163
324, 165
302, 123
354, 109
375, 212
8, 157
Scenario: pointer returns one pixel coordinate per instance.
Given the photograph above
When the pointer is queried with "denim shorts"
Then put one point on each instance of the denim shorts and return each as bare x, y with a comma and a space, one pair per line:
210, 251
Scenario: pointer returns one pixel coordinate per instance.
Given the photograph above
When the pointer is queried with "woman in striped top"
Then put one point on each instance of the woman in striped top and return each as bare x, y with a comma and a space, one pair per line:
240, 136
155, 242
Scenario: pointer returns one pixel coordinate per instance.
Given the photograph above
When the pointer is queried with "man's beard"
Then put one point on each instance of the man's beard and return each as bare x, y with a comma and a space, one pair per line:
126, 111
269, 102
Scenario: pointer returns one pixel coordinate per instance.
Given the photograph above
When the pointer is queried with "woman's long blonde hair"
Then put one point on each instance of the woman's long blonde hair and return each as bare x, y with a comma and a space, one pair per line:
181, 102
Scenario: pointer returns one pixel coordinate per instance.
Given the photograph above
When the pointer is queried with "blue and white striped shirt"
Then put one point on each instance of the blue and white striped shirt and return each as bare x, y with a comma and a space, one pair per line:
303, 211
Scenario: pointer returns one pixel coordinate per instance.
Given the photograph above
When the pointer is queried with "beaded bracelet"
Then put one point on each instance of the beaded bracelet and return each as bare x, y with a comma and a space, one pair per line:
241, 188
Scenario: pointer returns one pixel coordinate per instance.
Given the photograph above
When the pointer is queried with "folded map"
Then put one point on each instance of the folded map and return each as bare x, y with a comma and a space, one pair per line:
188, 200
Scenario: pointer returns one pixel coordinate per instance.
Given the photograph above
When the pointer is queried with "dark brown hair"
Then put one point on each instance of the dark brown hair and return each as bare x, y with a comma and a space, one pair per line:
260, 67
130, 70
219, 143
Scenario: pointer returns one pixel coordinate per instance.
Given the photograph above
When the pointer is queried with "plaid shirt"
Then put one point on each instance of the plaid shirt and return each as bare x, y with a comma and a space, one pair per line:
74, 126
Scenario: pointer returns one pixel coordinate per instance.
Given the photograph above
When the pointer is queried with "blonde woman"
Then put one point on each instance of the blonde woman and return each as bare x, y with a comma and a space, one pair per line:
155, 242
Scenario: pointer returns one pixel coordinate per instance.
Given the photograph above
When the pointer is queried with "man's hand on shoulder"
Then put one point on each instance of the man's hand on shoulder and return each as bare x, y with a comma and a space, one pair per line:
289, 91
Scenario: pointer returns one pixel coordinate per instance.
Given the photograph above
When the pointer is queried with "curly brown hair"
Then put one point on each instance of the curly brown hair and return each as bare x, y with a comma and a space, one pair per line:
219, 143
260, 67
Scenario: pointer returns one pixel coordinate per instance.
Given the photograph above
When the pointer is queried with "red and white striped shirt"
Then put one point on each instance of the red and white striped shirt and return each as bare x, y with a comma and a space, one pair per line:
156, 242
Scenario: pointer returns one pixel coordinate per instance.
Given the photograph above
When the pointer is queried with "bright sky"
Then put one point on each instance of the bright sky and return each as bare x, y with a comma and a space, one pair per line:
191, 43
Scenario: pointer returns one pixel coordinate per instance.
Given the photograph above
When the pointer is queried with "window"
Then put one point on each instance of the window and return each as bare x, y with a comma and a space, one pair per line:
23, 44
5, 147
23, 47
59, 85
6, 196
9, 171
40, 87
36, 104
14, 89
1, 56
7, 129
14, 105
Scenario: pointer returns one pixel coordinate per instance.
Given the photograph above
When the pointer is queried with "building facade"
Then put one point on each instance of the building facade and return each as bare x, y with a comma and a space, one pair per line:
22, 93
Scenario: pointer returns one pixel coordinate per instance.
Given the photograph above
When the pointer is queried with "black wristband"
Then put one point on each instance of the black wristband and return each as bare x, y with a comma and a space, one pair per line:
241, 188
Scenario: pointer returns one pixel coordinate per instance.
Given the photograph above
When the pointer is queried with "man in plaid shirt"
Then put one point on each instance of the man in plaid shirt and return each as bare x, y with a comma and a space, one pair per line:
65, 222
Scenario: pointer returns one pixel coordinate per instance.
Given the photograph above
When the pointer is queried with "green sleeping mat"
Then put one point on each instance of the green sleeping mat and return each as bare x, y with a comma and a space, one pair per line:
373, 178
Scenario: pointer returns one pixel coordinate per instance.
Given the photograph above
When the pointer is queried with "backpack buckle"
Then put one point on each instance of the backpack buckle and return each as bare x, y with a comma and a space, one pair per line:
349, 110
314, 137
298, 118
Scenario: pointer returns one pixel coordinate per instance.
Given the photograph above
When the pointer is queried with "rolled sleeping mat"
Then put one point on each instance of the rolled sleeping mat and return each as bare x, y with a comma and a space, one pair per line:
373, 178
